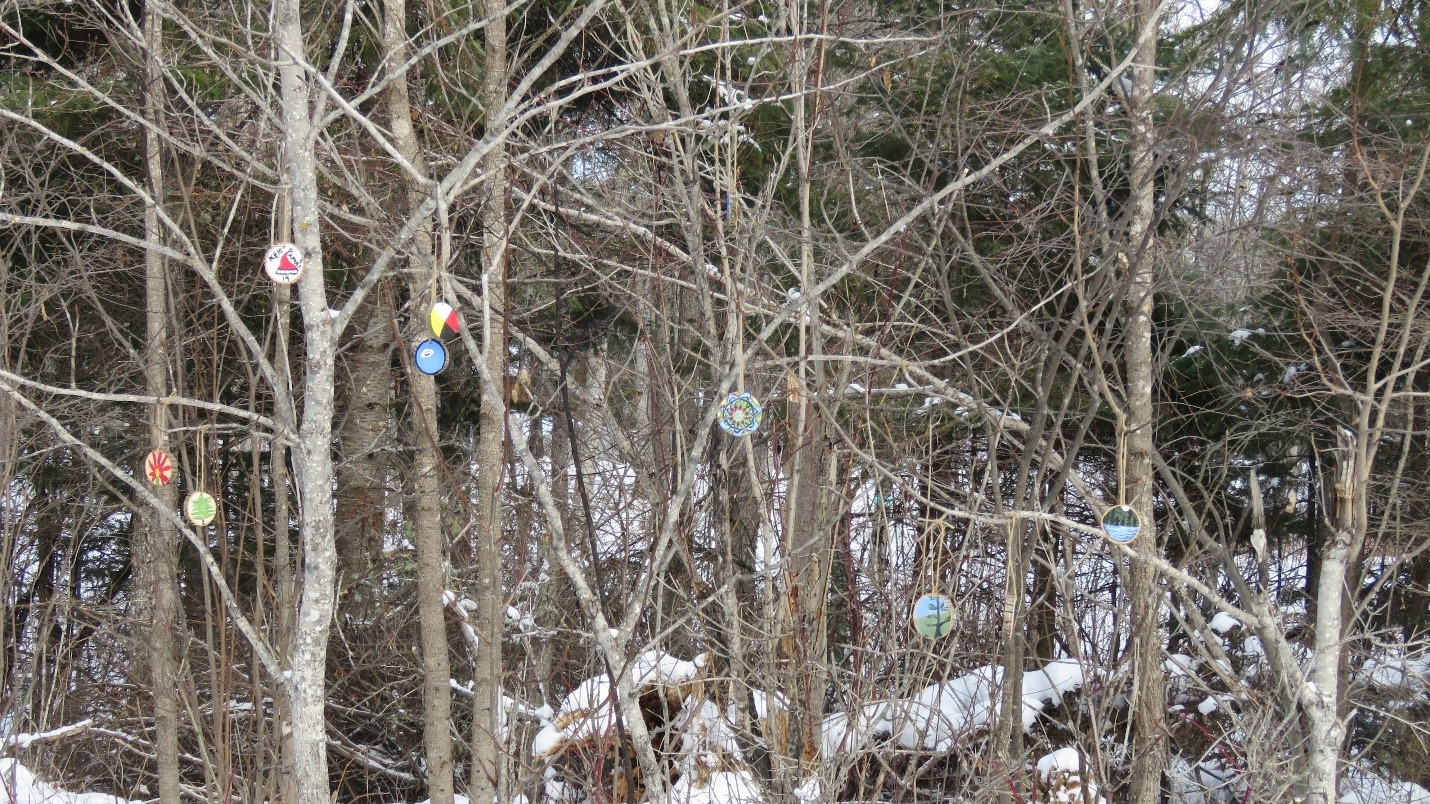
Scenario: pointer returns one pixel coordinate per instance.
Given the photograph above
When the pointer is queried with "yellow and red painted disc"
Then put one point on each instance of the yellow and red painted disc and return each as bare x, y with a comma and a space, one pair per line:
444, 320
159, 468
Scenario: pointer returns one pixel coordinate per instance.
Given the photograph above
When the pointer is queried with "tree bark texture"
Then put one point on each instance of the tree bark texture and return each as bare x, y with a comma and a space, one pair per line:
308, 656
427, 457
367, 383
487, 750
1320, 696
1149, 741
158, 563
801, 617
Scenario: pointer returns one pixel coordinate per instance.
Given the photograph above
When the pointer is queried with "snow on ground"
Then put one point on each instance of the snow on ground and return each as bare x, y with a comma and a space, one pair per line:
1403, 674
21, 787
1064, 759
705, 736
811, 790
1361, 786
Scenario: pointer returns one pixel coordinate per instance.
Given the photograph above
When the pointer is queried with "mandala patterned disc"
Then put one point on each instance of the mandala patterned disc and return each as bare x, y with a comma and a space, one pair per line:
740, 414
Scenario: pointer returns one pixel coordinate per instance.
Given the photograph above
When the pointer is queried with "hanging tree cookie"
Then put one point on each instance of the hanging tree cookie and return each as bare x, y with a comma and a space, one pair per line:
283, 264
200, 508
1121, 523
430, 356
933, 612
933, 616
741, 414
444, 321
159, 467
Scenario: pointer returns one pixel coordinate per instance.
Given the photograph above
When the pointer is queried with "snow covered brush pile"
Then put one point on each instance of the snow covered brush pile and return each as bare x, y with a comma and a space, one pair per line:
587, 753
933, 741
708, 757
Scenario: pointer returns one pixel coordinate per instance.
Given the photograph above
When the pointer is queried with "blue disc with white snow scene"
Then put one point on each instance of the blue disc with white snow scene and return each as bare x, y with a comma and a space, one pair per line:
430, 356
933, 616
1121, 524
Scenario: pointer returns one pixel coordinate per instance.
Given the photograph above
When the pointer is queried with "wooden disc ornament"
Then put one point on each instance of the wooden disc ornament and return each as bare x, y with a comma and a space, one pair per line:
933, 616
159, 468
741, 414
283, 264
1121, 524
200, 508
444, 321
430, 356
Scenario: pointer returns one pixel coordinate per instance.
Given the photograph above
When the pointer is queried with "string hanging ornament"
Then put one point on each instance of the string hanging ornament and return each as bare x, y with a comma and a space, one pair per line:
741, 412
933, 612
430, 354
200, 507
1120, 523
159, 467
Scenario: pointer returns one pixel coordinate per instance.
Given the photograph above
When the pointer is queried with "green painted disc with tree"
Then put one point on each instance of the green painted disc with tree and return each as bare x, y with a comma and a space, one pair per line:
200, 508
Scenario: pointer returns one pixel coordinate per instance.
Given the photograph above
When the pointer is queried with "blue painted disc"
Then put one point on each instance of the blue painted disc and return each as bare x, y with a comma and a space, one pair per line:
430, 356
933, 616
1121, 524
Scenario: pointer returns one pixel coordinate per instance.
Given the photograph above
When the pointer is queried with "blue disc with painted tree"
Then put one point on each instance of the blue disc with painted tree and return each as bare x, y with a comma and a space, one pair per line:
430, 356
933, 616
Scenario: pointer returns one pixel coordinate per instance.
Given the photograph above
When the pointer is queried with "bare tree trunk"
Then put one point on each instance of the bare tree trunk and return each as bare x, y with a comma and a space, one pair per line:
1007, 737
362, 471
285, 591
801, 625
427, 458
809, 514
487, 680
1320, 698
9, 527
158, 564
1149, 743
307, 684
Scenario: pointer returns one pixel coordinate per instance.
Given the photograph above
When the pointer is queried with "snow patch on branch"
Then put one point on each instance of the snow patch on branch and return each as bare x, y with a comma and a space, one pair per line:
23, 740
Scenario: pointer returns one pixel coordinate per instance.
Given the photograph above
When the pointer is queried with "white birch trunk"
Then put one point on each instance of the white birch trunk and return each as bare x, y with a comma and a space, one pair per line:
1320, 697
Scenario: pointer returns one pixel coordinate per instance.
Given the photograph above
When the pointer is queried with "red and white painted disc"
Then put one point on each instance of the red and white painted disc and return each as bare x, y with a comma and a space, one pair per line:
284, 263
159, 467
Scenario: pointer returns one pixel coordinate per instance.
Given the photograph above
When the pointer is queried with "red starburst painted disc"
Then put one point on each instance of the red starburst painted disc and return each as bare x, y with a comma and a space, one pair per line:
159, 467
